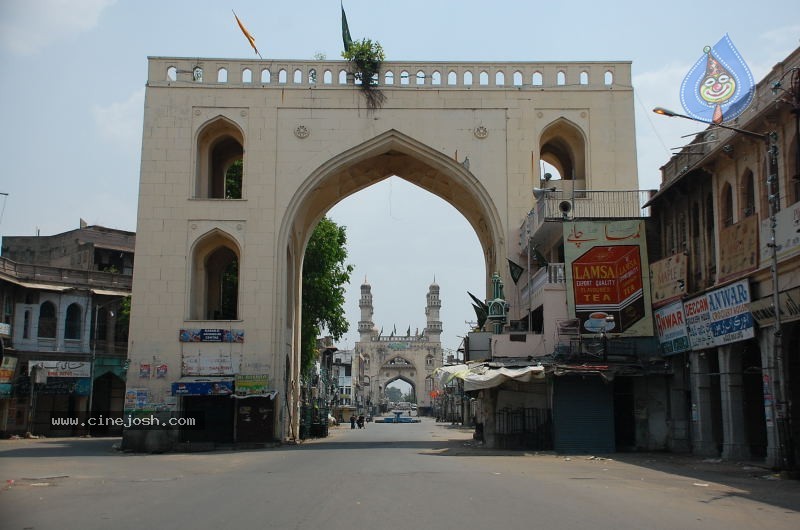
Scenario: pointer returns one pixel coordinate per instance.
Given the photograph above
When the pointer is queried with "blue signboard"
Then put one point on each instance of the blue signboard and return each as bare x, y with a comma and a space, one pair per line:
203, 387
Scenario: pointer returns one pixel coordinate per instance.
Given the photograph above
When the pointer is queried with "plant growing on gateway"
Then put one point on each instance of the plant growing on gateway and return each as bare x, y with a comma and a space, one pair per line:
365, 57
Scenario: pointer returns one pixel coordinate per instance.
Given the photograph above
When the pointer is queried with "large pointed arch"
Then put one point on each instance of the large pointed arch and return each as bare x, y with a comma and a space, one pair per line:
215, 266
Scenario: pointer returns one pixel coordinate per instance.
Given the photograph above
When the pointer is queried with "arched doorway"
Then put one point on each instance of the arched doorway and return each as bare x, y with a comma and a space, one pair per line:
389, 154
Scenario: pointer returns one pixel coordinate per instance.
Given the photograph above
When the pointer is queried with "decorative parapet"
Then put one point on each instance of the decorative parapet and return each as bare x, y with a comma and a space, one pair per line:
240, 73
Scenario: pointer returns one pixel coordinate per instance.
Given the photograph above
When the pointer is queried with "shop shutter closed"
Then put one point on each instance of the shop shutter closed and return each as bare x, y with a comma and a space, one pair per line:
583, 415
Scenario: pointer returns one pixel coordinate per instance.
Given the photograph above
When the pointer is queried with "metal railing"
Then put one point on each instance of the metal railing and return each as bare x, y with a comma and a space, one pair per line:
65, 277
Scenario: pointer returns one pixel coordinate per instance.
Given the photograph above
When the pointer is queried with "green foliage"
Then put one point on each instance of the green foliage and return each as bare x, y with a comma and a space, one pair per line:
410, 397
393, 394
233, 180
366, 57
123, 321
324, 277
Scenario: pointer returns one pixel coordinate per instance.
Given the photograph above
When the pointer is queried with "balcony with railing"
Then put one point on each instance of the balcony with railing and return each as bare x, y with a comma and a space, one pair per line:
554, 205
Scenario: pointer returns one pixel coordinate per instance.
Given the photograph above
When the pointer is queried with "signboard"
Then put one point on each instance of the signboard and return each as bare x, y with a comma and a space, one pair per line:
788, 301
787, 234
5, 329
671, 328
203, 387
211, 335
606, 286
737, 248
7, 369
721, 316
252, 385
63, 368
719, 87
211, 364
668, 279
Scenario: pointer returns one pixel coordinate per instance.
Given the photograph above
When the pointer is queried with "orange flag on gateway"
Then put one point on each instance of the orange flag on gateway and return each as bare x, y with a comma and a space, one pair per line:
250, 38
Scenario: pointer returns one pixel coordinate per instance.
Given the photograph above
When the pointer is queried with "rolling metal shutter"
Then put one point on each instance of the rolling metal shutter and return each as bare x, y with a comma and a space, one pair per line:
583, 415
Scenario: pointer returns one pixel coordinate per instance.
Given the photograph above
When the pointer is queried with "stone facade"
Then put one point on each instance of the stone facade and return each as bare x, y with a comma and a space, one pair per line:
412, 356
470, 133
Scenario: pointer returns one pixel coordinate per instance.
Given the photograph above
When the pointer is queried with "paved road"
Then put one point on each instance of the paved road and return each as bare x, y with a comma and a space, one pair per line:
424, 475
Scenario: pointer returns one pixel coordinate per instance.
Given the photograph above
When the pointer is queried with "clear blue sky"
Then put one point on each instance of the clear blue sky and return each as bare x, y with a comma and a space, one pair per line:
73, 87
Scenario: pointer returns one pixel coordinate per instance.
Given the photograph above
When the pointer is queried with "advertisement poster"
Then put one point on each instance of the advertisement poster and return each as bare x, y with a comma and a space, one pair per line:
7, 369
144, 370
738, 248
211, 363
608, 284
668, 279
211, 335
721, 316
671, 328
787, 234
252, 385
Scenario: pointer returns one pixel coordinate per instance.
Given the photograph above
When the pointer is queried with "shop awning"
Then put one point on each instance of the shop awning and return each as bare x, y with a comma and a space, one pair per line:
203, 386
479, 376
109, 292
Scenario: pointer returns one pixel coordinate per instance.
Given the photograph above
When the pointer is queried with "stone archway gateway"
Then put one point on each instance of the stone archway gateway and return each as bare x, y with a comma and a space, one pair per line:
304, 140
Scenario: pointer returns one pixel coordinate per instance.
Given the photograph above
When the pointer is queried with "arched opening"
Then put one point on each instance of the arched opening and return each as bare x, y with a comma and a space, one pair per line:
47, 320
388, 78
452, 78
220, 154
215, 278
377, 163
562, 145
537, 79
72, 325
726, 205
247, 76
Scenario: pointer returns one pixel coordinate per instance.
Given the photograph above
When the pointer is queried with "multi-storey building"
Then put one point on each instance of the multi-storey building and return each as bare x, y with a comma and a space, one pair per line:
727, 275
63, 318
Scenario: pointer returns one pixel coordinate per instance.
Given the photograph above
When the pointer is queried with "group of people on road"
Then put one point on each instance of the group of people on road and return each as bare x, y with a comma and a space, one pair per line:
357, 421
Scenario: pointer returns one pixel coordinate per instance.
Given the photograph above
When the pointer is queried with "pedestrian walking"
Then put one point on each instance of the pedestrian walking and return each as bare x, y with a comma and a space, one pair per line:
352, 422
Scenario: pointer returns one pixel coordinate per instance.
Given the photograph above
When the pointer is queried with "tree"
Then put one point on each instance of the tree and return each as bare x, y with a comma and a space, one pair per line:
324, 277
394, 394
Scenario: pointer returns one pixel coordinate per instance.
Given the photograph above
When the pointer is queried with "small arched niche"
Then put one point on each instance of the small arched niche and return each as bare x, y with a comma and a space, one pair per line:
214, 278
220, 160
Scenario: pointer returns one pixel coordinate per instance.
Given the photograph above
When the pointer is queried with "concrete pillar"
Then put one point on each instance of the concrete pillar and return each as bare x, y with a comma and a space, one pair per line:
769, 374
679, 438
702, 423
734, 446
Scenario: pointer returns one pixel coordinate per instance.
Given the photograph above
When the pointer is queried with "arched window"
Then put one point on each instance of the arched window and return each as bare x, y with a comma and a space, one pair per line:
72, 328
499, 79
436, 78
403, 77
561, 78
467, 78
312, 76
726, 205
327, 77
536, 79
563, 146
222, 75
452, 78
483, 79
517, 78
388, 78
282, 76
298, 76
429, 361
420, 77
215, 278
608, 78
47, 321
584, 78
247, 76
220, 166
342, 77
265, 76
172, 73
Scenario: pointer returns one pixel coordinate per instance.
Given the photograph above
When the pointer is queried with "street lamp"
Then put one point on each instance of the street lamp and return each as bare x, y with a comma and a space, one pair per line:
771, 139
94, 356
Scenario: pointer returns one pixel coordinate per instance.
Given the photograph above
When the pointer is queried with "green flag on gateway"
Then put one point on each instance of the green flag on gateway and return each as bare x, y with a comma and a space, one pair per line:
346, 38
515, 270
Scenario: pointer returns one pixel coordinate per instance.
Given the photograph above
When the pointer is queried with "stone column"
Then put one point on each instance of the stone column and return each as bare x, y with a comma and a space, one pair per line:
734, 436
702, 430
766, 343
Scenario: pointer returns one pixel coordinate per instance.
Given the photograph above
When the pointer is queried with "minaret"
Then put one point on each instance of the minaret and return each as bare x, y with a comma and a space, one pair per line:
433, 330
366, 328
